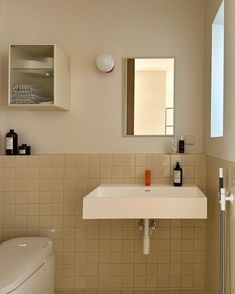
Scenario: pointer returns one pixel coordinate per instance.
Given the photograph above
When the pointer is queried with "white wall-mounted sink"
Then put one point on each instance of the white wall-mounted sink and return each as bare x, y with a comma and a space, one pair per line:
133, 201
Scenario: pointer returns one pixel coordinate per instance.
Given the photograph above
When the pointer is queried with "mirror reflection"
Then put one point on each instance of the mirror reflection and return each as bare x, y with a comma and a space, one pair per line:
149, 97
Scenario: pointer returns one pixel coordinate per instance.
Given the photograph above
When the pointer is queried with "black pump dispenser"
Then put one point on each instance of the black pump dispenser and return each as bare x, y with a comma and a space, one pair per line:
177, 175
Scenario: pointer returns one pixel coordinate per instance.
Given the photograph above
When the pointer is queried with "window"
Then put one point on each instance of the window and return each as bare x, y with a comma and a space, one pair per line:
217, 74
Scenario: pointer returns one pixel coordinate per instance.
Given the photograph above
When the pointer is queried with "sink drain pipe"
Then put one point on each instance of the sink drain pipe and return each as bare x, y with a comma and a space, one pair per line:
146, 239
147, 226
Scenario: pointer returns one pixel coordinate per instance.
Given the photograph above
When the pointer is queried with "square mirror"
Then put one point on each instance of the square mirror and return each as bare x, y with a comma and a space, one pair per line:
149, 97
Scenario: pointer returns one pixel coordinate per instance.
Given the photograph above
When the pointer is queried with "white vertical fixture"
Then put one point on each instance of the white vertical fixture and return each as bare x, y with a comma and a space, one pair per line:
225, 198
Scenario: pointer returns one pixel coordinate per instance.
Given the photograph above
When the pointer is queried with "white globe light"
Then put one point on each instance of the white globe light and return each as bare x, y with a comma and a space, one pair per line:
105, 63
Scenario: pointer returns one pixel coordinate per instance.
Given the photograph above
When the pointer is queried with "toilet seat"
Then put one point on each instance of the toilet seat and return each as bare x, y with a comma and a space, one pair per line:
21, 258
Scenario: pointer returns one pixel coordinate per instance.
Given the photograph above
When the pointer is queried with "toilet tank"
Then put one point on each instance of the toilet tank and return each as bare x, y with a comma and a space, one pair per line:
27, 263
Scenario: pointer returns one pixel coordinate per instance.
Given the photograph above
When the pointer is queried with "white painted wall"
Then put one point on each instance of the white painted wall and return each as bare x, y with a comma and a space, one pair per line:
229, 141
221, 147
85, 28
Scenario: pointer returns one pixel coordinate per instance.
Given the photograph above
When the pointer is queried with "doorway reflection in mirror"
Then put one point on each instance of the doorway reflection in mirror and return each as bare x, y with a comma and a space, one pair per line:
150, 97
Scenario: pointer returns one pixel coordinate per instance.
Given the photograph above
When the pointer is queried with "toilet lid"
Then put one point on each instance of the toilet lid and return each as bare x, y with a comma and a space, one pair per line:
20, 258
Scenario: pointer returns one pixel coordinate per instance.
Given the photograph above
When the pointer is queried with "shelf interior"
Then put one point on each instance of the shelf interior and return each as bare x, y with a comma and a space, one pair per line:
32, 75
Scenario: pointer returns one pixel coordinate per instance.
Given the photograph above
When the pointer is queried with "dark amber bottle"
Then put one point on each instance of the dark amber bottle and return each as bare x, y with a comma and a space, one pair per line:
177, 175
11, 143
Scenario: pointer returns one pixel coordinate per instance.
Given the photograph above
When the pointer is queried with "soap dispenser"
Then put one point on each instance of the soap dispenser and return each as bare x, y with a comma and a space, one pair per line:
177, 175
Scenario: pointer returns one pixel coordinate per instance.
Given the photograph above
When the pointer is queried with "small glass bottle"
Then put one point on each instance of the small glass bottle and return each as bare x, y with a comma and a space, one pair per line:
173, 146
11, 143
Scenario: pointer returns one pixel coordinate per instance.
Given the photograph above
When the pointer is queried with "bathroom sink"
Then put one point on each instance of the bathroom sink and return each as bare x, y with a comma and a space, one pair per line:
135, 201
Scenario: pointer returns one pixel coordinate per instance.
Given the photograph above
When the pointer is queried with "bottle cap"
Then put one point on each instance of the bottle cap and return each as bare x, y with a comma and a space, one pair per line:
181, 138
11, 130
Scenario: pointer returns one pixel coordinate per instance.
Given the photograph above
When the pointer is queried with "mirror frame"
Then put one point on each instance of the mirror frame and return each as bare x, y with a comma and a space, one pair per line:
124, 95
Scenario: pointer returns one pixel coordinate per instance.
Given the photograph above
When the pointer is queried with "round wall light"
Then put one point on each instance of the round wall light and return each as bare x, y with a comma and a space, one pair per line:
105, 62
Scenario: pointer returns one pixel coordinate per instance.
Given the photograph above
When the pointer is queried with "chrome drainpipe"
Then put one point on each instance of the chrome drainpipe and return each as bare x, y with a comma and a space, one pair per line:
222, 252
147, 226
223, 198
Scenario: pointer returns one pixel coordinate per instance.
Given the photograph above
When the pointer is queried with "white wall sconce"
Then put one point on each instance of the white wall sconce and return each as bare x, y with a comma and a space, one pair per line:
105, 63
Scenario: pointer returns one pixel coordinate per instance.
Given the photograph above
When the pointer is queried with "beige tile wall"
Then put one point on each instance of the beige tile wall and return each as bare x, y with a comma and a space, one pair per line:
42, 195
213, 226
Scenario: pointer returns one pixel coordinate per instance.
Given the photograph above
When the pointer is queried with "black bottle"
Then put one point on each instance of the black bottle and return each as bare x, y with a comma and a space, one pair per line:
181, 145
11, 143
177, 175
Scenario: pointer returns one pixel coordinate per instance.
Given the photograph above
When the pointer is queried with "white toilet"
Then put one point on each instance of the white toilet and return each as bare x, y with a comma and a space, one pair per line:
27, 266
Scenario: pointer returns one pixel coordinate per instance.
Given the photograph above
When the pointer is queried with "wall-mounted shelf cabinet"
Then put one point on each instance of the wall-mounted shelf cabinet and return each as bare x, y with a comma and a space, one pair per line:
38, 77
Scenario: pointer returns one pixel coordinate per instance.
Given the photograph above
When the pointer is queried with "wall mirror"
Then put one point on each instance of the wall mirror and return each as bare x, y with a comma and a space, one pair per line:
149, 97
